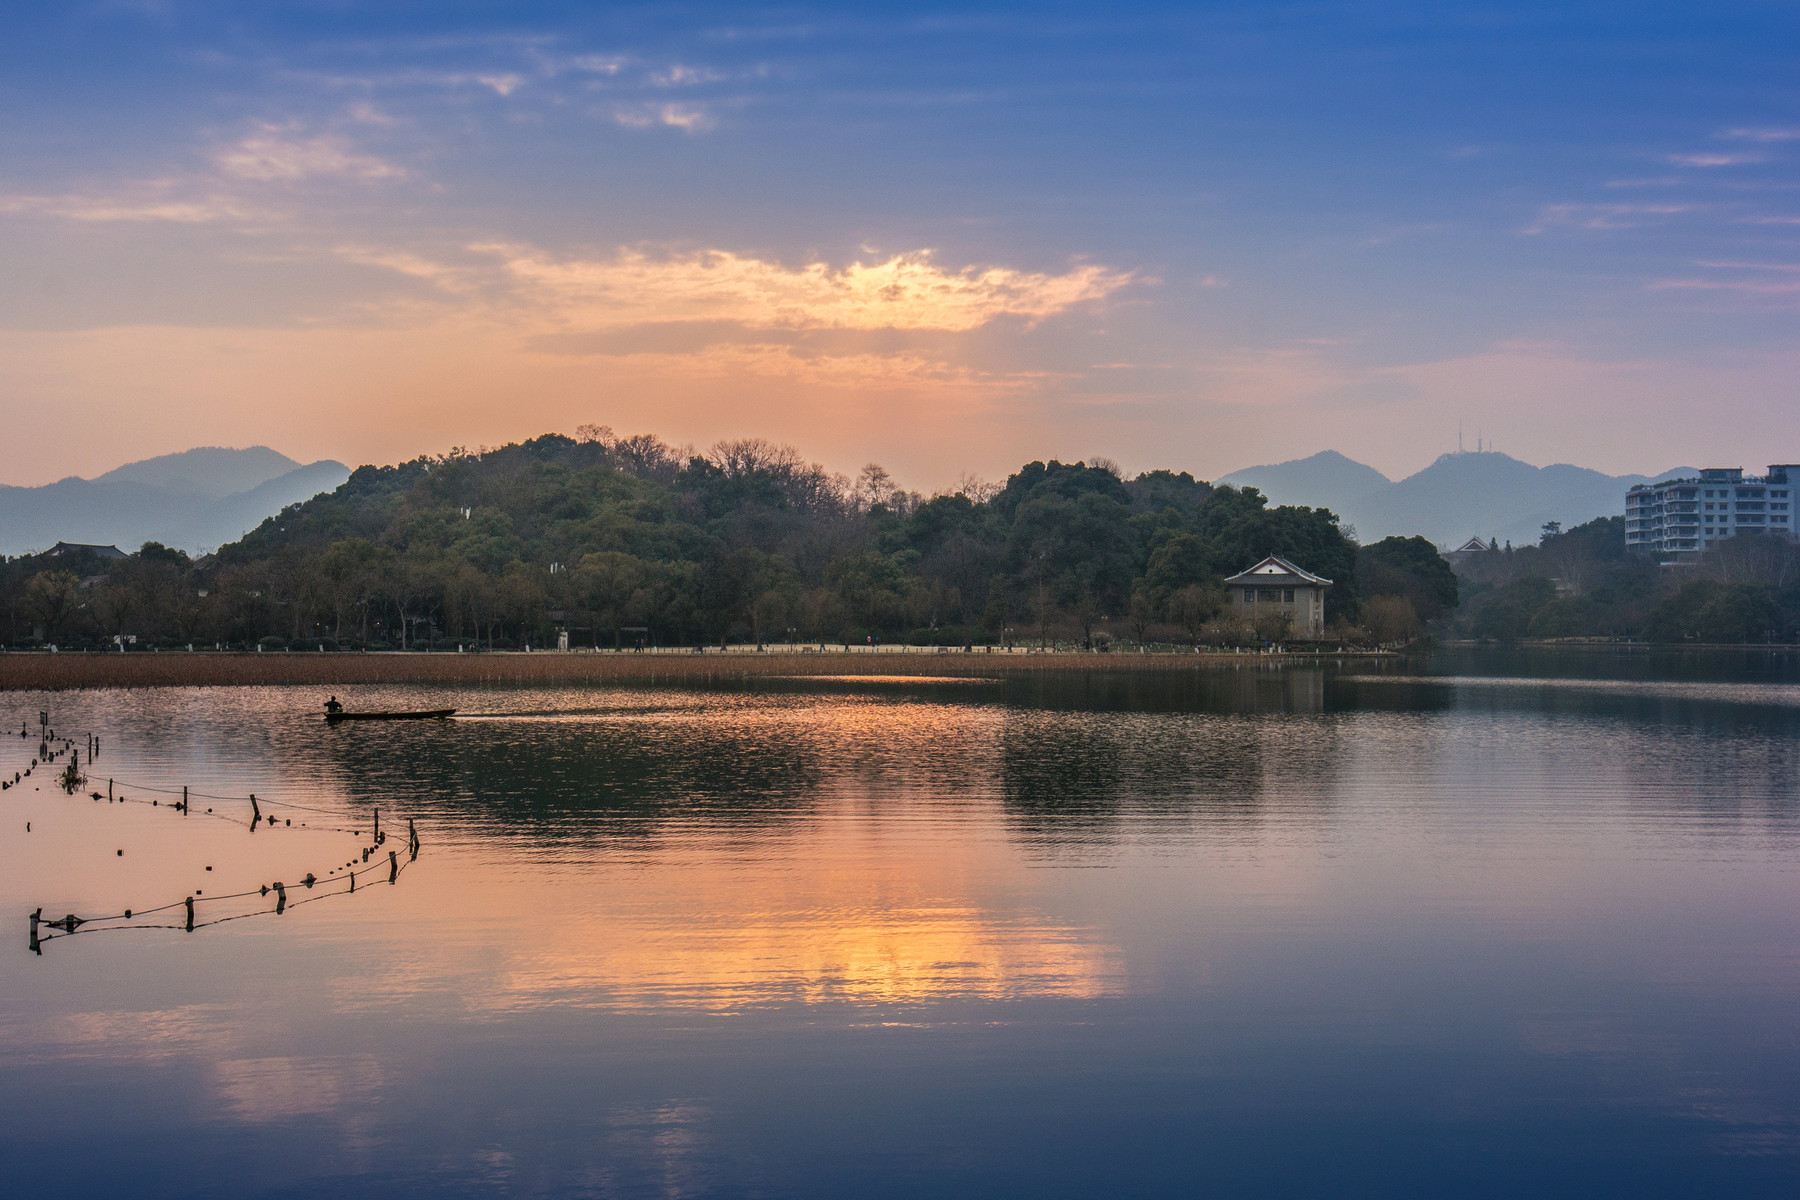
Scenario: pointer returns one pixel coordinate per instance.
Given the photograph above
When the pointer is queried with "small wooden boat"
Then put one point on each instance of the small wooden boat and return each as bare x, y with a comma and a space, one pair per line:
433, 714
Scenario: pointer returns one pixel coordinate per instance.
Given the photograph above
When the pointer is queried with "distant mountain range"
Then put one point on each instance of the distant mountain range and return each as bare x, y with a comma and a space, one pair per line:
196, 500
201, 499
1485, 494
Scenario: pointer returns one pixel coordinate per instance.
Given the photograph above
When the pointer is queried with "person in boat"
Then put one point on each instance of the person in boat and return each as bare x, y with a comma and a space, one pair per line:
332, 707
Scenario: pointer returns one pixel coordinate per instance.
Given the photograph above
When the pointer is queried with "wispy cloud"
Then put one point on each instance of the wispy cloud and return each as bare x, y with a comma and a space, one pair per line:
904, 371
444, 276
1748, 287
1763, 133
501, 82
138, 206
227, 190
1712, 159
688, 118
1739, 264
279, 153
905, 291
685, 75
1602, 216
1753, 277
365, 113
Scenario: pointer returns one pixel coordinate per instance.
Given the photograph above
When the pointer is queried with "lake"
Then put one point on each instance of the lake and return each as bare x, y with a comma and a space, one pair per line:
1484, 925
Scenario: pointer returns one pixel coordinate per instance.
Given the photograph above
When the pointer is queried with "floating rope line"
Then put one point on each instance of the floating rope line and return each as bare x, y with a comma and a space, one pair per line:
71, 924
100, 925
146, 787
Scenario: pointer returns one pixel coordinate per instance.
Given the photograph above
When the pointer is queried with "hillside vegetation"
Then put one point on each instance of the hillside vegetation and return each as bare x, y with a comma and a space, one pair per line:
1584, 583
621, 540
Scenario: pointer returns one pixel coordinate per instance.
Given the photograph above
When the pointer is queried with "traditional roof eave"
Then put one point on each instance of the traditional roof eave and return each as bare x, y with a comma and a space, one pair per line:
98, 551
1298, 574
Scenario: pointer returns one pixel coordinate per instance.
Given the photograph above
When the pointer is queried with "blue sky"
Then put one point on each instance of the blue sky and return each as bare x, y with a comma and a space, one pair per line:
943, 238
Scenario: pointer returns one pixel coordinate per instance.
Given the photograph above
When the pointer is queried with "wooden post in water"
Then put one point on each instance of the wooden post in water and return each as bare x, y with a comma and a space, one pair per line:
190, 914
255, 812
184, 800
412, 840
36, 947
393, 867
280, 899
109, 791
378, 826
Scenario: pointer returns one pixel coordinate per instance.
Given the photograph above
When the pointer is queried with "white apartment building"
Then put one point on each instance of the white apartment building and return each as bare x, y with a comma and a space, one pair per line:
1678, 518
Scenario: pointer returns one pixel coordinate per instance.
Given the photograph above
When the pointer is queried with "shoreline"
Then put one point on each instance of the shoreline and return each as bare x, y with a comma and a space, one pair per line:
37, 671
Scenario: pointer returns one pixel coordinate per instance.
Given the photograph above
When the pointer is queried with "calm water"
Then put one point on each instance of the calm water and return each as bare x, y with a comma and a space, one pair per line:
1481, 927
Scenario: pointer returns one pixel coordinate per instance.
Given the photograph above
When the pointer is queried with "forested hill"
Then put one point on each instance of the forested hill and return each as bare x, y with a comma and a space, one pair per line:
750, 542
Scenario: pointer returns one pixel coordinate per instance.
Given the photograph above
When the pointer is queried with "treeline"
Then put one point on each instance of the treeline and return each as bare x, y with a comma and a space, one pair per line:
1584, 583
626, 540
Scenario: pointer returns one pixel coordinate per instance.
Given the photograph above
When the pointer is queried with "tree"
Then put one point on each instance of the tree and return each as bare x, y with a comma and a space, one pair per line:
746, 541
1390, 618
1408, 567
1194, 606
50, 599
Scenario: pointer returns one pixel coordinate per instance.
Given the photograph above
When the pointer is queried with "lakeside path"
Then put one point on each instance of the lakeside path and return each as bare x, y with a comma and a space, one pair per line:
39, 671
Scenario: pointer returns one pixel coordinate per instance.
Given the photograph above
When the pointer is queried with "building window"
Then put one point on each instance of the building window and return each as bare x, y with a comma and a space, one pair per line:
1287, 595
1249, 595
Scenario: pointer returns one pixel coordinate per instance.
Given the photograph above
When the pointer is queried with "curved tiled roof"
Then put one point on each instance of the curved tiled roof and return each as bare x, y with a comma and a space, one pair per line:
1277, 570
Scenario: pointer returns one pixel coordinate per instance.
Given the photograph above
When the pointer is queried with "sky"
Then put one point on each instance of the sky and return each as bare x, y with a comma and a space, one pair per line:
947, 239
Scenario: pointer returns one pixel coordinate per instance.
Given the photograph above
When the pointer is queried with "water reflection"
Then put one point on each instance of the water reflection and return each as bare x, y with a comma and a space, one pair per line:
1073, 936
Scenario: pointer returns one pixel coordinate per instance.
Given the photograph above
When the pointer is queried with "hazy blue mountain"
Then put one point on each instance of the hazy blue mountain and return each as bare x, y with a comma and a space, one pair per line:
196, 500
213, 471
230, 518
1463, 495
1324, 480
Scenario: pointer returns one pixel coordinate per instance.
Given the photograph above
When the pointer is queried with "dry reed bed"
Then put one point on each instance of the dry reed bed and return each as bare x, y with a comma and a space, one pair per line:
55, 671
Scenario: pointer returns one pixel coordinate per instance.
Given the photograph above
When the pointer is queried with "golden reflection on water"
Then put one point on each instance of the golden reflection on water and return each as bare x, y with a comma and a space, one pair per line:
713, 924
905, 956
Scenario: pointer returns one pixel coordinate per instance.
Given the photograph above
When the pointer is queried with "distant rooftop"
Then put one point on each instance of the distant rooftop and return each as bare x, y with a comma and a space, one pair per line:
67, 548
1275, 569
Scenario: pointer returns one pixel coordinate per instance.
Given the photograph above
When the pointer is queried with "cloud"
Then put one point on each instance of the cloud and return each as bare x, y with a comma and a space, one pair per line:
1760, 278
728, 362
598, 64
1746, 287
686, 117
365, 113
1763, 133
275, 153
500, 82
143, 206
1713, 159
905, 291
454, 280
1739, 264
683, 75
1601, 216
269, 154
